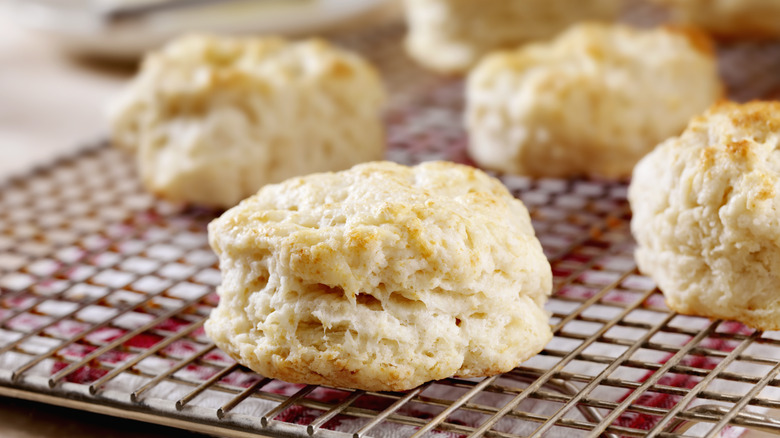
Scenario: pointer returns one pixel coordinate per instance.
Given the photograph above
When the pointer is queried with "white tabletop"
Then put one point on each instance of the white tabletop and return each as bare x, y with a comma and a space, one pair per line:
49, 103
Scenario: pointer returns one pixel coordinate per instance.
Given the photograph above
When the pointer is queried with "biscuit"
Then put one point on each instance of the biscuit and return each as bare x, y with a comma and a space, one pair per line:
450, 36
381, 277
592, 102
213, 119
753, 19
706, 215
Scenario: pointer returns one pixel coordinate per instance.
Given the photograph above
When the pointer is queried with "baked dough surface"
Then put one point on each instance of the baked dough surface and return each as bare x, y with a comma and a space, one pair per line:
706, 215
450, 36
381, 277
212, 119
592, 102
751, 19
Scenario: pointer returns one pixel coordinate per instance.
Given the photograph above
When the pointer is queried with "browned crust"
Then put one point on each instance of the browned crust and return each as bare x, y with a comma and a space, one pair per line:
699, 39
738, 27
762, 115
758, 116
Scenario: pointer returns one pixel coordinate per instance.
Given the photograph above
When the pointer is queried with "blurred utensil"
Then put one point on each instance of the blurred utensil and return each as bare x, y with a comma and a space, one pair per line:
141, 10
125, 31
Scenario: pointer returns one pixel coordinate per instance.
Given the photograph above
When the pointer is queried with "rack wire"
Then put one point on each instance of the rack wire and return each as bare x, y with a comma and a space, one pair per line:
104, 290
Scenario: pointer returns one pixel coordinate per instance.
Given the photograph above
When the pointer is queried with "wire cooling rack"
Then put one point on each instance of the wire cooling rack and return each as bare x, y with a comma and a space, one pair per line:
104, 291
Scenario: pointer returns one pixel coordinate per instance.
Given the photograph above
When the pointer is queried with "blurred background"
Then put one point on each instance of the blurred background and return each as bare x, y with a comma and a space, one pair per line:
61, 61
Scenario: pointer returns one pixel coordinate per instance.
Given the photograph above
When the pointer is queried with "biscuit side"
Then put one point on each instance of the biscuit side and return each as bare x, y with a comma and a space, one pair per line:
212, 119
706, 216
380, 278
591, 102
450, 36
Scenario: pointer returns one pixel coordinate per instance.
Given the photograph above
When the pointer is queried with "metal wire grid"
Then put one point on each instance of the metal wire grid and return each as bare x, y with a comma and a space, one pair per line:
105, 289
57, 266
